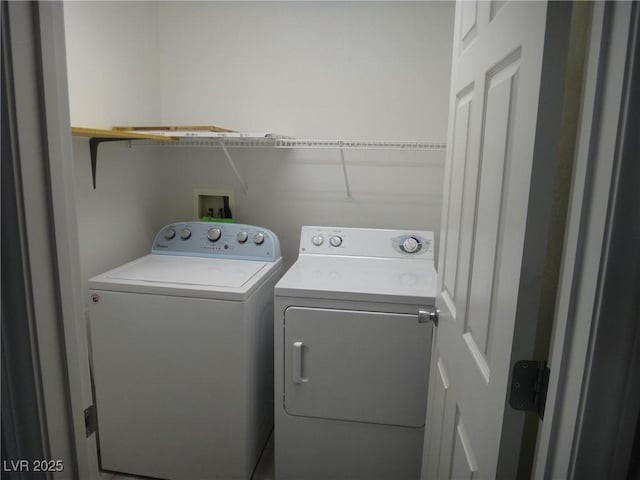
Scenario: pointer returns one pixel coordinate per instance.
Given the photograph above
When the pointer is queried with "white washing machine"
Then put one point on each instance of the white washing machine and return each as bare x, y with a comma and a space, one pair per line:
182, 350
353, 331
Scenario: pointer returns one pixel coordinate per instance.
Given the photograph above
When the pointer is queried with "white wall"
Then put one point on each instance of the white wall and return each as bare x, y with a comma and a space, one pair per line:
112, 63
288, 189
341, 70
359, 70
346, 70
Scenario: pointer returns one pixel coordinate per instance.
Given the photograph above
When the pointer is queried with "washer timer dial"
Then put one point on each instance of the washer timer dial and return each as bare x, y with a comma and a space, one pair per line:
258, 238
242, 236
214, 234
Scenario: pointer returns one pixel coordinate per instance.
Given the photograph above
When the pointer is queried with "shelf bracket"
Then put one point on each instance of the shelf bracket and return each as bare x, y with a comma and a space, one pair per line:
344, 171
93, 151
97, 136
232, 164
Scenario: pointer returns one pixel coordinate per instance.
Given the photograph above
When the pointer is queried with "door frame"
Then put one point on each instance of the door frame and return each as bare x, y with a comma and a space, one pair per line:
44, 267
581, 328
589, 228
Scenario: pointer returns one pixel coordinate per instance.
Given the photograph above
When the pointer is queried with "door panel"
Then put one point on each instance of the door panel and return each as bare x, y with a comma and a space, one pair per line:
495, 157
356, 366
496, 5
469, 27
438, 399
495, 107
459, 170
447, 439
463, 460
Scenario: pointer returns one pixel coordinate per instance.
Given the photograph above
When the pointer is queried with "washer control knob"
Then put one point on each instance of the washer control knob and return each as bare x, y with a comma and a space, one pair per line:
169, 233
214, 234
242, 236
317, 240
335, 241
185, 234
258, 238
410, 245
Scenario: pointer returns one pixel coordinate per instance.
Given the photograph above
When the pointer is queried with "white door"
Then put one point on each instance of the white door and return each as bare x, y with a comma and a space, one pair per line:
487, 273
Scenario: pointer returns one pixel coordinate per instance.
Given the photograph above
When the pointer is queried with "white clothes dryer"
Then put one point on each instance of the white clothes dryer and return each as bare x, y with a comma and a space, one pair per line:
182, 353
353, 333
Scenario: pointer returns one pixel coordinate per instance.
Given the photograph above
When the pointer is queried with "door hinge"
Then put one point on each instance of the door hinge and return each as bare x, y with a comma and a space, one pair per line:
90, 420
529, 382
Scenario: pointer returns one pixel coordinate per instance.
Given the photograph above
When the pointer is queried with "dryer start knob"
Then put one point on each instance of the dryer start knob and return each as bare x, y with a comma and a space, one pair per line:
258, 238
410, 245
335, 241
185, 234
214, 234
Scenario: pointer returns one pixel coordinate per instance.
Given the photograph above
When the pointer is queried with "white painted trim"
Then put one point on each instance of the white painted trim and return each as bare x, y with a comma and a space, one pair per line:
585, 240
58, 139
32, 227
46, 225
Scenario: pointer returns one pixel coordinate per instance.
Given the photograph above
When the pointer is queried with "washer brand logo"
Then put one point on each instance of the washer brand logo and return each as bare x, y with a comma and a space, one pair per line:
160, 245
95, 298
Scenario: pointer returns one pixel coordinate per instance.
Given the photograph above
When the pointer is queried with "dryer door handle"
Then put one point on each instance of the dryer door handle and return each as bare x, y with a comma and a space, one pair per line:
425, 316
296, 365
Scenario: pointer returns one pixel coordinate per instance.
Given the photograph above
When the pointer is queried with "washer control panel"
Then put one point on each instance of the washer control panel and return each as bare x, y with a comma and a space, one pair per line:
219, 240
366, 242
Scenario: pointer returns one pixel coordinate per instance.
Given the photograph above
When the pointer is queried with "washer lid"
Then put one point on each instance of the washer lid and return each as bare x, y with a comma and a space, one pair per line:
360, 279
181, 270
186, 276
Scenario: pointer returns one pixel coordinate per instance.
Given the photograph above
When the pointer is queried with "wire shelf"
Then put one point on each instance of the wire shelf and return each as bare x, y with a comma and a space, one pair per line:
289, 142
266, 142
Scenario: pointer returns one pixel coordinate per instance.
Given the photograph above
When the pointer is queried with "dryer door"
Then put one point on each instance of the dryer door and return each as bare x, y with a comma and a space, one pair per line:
356, 365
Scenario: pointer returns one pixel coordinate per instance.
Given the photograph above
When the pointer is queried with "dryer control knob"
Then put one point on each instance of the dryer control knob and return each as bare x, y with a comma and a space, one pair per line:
410, 245
335, 241
317, 240
185, 234
169, 233
242, 236
214, 234
258, 238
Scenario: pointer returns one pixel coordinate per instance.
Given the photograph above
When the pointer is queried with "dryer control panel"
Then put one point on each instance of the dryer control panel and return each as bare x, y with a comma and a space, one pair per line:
217, 240
367, 242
